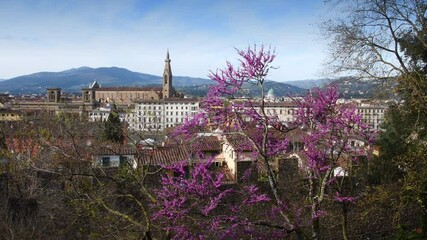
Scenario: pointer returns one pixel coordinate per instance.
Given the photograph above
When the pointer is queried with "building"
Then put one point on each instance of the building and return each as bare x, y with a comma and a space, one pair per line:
372, 112
55, 102
143, 109
95, 96
161, 114
127, 95
10, 115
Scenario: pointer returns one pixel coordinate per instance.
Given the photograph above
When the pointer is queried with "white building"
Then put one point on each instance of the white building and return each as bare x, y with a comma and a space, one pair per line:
101, 114
161, 114
372, 112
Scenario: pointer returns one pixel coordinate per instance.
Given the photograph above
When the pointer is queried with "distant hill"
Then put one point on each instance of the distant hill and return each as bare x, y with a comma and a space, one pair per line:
350, 87
356, 88
73, 80
280, 89
309, 83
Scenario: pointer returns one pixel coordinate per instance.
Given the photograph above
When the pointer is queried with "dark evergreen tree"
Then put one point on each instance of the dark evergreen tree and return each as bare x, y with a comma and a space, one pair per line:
113, 127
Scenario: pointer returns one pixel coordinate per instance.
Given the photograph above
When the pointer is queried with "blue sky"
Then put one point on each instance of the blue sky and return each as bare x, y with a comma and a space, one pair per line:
200, 35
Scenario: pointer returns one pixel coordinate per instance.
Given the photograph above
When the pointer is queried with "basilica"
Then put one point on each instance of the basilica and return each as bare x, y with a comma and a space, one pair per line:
127, 95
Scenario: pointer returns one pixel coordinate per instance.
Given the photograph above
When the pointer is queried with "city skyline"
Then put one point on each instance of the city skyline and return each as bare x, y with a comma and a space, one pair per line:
200, 35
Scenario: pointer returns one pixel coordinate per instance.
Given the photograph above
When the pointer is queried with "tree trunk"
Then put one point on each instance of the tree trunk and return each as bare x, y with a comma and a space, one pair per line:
300, 235
344, 221
148, 235
315, 222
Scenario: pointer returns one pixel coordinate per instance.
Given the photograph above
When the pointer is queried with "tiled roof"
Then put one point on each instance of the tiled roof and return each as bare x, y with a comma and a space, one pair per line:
170, 100
6, 110
117, 150
163, 156
207, 143
128, 89
240, 143
22, 145
296, 135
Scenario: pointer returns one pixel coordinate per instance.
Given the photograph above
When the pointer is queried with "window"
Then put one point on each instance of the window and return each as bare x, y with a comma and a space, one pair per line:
123, 161
106, 161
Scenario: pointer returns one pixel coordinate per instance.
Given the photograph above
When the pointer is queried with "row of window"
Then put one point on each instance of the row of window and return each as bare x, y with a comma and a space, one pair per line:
159, 120
9, 115
166, 113
370, 110
193, 108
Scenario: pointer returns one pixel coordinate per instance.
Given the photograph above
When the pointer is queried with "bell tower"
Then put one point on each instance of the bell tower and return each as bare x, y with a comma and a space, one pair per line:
167, 78
53, 95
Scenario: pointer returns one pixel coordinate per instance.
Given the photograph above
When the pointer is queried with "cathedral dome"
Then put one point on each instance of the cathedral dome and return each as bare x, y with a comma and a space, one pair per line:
270, 94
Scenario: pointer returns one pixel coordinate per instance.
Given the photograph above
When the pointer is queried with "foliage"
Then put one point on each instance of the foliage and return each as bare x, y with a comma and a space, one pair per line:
202, 207
331, 128
387, 40
113, 127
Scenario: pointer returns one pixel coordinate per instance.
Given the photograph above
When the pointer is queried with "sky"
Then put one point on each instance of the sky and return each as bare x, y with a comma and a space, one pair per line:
201, 35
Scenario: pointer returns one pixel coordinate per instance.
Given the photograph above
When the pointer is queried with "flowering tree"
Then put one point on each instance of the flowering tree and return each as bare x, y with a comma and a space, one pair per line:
329, 152
331, 128
248, 118
202, 207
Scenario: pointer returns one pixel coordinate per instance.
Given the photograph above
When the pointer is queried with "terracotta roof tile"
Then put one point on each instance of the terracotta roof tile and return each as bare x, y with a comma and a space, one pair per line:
163, 155
129, 89
207, 143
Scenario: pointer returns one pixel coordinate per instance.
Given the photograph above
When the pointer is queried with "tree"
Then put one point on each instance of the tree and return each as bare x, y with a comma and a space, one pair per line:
387, 40
201, 207
328, 150
372, 37
384, 40
113, 127
330, 127
232, 116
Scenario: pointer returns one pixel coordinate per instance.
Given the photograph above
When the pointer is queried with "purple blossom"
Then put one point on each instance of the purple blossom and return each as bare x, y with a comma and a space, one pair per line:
344, 199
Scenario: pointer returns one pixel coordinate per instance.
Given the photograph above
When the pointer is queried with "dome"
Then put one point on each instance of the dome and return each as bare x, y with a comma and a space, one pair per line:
270, 94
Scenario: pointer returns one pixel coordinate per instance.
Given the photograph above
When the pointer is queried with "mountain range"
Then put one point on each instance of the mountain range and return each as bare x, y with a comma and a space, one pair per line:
73, 80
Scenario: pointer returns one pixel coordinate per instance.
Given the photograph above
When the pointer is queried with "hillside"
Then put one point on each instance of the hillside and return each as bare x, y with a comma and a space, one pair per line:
73, 80
280, 89
351, 87
355, 88
309, 83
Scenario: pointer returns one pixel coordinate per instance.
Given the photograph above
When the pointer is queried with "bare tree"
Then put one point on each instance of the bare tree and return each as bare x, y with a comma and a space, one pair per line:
367, 35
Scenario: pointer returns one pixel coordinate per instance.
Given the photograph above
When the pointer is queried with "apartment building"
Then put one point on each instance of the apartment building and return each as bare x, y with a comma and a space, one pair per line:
161, 114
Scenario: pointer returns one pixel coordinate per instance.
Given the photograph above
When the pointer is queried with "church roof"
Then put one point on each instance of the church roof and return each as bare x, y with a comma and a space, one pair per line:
134, 89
